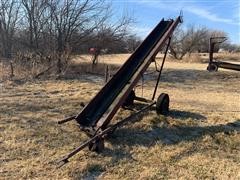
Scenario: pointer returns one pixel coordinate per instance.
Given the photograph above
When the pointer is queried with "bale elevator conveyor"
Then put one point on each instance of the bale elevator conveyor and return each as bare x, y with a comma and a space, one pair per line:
95, 117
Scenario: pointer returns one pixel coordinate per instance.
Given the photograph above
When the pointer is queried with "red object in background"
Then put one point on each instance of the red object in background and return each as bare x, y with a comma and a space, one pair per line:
92, 50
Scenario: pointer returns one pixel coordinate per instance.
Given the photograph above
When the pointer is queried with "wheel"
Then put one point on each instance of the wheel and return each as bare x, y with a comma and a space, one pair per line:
162, 104
130, 99
97, 146
212, 68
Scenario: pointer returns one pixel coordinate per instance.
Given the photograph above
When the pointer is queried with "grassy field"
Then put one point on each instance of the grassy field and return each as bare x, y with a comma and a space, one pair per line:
199, 139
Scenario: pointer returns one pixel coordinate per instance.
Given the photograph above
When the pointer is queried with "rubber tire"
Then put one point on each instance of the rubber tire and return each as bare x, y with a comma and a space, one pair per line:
212, 68
162, 104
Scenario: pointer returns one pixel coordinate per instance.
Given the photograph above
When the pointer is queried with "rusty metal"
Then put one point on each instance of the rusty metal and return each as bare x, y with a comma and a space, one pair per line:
101, 134
95, 117
106, 74
212, 42
66, 120
141, 99
160, 71
214, 64
105, 119
104, 105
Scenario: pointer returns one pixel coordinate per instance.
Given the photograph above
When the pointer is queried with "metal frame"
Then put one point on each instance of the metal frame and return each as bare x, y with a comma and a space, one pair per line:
160, 71
101, 134
213, 64
100, 129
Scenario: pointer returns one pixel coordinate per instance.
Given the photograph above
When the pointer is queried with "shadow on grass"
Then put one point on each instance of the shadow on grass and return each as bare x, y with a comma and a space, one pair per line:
126, 138
92, 171
185, 115
168, 135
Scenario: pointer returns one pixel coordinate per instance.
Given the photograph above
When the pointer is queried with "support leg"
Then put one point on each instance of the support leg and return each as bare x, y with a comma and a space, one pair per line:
160, 72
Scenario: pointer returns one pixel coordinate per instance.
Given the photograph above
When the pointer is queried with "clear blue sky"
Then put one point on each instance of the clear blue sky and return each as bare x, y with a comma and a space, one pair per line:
215, 14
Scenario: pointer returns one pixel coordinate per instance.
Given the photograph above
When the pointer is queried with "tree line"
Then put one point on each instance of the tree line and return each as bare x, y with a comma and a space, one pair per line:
196, 39
53, 29
48, 31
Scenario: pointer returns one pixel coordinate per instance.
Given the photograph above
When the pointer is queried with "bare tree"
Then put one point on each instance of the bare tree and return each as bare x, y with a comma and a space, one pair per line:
108, 35
35, 14
132, 42
50, 29
71, 16
192, 39
187, 41
9, 11
230, 47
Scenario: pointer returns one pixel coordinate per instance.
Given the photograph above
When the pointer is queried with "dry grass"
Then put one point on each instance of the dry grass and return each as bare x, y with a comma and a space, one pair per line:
235, 57
204, 57
198, 140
